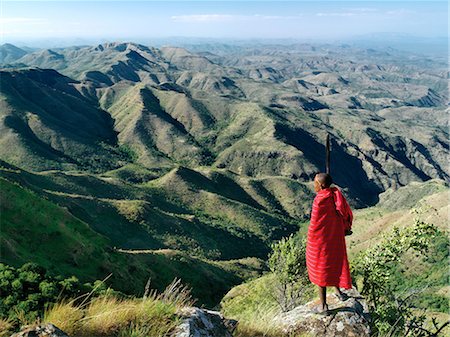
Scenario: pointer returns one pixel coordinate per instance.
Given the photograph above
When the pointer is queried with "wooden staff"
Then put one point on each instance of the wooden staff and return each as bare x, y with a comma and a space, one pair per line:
327, 162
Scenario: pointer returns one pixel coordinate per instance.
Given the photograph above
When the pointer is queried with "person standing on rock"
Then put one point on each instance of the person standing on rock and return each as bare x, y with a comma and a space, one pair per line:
326, 253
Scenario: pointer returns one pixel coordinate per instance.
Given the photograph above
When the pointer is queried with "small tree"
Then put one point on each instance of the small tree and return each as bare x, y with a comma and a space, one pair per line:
374, 268
288, 263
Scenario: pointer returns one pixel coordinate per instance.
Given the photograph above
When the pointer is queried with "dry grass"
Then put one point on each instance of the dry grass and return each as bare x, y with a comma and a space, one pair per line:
371, 222
5, 327
254, 306
260, 323
66, 316
108, 315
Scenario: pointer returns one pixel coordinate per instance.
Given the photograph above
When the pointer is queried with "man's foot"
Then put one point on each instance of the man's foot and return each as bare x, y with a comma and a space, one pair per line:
342, 296
321, 310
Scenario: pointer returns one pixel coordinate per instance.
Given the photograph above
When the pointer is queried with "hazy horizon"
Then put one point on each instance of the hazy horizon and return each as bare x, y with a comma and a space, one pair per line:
32, 23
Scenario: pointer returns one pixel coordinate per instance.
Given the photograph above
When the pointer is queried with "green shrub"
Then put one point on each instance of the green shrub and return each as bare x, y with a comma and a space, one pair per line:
376, 273
27, 291
288, 263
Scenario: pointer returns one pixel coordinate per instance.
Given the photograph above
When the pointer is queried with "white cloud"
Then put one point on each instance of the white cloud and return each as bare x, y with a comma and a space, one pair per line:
276, 17
22, 20
353, 11
363, 9
401, 11
228, 17
337, 14
203, 18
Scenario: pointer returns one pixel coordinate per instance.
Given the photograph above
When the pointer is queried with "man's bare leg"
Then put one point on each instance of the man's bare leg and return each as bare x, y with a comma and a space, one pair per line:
323, 297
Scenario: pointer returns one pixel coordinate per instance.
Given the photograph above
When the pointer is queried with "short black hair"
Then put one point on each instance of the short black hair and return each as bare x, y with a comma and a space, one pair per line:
324, 179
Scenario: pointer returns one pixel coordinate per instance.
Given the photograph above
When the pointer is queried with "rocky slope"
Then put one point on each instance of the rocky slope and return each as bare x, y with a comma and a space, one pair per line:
10, 53
258, 112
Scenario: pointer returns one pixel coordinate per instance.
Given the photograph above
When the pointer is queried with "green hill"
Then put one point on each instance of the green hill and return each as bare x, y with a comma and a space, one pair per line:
150, 230
258, 113
47, 123
182, 210
36, 229
10, 53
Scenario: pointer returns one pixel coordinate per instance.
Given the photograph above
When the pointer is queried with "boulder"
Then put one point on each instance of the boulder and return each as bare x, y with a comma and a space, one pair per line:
204, 323
348, 318
42, 330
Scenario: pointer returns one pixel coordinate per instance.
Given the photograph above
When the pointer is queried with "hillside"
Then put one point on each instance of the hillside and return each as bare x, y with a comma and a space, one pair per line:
428, 201
36, 229
157, 221
10, 53
261, 112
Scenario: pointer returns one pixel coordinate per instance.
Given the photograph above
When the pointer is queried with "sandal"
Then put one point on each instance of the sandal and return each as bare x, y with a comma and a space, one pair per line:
321, 311
342, 297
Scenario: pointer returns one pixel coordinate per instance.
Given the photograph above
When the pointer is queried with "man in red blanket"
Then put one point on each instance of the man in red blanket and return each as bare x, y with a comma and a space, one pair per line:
326, 254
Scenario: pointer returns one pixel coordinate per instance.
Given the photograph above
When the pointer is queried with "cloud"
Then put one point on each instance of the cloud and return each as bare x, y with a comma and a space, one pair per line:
353, 11
366, 12
204, 18
363, 9
337, 14
22, 20
198, 18
401, 11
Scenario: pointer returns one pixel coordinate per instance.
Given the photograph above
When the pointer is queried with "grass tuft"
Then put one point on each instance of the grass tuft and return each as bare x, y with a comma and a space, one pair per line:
109, 315
5, 327
176, 294
66, 316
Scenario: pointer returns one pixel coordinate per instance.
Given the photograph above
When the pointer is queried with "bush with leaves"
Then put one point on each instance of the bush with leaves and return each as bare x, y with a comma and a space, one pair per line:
374, 269
287, 262
27, 291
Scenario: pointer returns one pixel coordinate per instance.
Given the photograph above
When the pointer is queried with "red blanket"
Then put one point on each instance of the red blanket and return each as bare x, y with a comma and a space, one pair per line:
326, 254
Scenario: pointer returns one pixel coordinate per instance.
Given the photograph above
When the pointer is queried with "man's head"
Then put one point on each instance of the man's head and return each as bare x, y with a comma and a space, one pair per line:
321, 181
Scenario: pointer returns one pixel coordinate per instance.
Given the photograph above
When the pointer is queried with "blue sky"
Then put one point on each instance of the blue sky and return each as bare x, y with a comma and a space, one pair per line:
219, 19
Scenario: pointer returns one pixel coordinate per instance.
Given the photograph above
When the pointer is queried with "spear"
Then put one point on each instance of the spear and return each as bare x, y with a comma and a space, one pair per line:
327, 161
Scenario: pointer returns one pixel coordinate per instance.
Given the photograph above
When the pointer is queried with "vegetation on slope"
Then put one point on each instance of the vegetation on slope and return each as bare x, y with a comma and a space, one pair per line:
184, 210
172, 106
29, 296
255, 303
27, 291
36, 229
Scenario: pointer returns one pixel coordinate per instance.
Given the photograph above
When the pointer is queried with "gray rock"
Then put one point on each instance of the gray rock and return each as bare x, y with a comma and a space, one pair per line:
204, 323
350, 318
43, 330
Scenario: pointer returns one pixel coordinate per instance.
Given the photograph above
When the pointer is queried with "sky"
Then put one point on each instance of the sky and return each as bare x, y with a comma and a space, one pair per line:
118, 20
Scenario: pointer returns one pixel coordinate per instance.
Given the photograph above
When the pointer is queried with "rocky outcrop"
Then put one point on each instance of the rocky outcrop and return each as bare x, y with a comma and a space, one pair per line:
204, 323
349, 318
195, 322
43, 330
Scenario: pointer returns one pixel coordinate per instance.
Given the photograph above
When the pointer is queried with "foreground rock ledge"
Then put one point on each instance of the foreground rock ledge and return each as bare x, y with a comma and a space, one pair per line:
195, 323
347, 319
43, 330
204, 323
